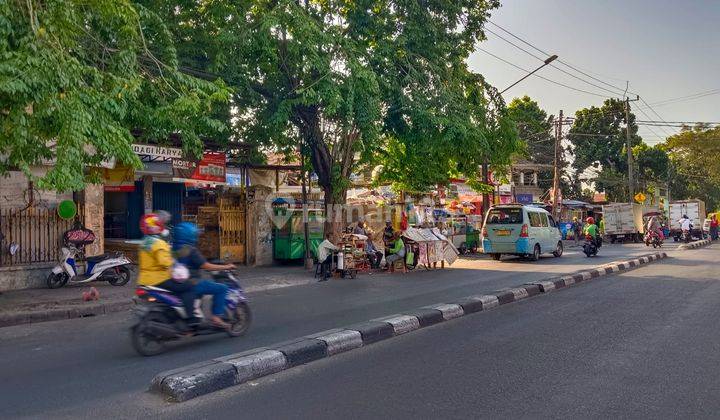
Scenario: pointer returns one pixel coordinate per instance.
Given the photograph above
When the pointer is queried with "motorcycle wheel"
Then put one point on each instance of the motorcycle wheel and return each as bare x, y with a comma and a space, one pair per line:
240, 320
56, 281
121, 277
145, 343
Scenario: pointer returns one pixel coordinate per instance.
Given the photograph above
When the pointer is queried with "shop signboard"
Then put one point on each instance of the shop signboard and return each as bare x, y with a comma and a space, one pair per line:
157, 152
524, 198
211, 168
119, 179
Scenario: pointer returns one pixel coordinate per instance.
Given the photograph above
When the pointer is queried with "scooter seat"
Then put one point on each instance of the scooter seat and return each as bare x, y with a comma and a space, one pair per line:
156, 289
105, 256
96, 258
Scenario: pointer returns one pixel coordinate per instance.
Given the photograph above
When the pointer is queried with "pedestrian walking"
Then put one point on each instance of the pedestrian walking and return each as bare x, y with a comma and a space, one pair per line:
713, 227
577, 228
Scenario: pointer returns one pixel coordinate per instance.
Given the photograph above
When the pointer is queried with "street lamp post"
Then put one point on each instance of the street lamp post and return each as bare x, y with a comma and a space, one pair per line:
485, 169
545, 63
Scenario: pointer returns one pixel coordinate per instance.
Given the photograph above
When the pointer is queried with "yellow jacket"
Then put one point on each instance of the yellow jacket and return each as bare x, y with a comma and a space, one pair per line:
155, 261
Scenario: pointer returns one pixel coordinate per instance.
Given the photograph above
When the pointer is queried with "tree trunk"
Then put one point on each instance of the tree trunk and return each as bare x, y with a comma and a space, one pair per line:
307, 119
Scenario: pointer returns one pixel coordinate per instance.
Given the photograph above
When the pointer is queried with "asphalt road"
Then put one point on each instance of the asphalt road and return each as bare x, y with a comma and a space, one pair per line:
84, 367
644, 344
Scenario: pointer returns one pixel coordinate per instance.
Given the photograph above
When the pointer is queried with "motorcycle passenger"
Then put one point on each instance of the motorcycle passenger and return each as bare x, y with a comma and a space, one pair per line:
655, 227
185, 237
592, 230
155, 261
686, 226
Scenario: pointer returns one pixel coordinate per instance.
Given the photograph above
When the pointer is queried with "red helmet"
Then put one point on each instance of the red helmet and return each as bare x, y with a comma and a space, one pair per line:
590, 221
152, 224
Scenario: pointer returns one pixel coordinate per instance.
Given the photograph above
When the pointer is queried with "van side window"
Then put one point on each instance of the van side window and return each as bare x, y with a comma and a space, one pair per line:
543, 219
534, 219
552, 221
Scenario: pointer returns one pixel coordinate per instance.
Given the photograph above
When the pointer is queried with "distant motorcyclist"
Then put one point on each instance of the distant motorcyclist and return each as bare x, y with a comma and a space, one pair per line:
655, 227
685, 223
185, 237
591, 230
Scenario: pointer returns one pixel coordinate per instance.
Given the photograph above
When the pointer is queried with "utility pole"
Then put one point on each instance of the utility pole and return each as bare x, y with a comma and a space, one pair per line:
486, 181
628, 146
307, 260
556, 164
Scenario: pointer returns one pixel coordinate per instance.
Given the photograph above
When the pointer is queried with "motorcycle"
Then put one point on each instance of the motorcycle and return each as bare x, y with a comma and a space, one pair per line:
687, 235
112, 267
652, 238
161, 317
590, 247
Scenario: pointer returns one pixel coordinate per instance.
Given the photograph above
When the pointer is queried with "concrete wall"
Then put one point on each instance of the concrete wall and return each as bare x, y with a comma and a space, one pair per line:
14, 186
259, 228
30, 276
94, 211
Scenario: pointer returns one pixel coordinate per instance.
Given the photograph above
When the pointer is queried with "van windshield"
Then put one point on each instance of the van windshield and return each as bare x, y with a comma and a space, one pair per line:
505, 216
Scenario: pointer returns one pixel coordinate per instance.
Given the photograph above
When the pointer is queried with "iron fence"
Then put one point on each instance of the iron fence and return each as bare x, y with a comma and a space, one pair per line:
34, 234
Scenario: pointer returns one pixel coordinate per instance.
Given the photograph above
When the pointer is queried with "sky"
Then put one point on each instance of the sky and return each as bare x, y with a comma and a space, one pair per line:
665, 48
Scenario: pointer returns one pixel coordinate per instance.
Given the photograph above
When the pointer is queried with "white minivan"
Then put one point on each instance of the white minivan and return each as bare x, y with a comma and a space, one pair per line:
515, 229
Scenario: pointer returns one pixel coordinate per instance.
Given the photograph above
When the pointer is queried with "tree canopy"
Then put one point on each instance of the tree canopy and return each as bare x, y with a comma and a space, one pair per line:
354, 82
77, 77
598, 139
695, 170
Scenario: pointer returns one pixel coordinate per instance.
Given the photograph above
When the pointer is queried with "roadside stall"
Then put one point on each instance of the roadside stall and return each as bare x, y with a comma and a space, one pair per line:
428, 247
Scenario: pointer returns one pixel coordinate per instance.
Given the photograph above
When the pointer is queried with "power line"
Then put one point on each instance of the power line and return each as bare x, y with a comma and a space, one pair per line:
687, 97
559, 60
539, 76
551, 65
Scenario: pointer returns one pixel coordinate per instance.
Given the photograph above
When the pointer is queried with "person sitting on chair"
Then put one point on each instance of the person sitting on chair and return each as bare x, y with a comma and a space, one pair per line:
396, 253
325, 253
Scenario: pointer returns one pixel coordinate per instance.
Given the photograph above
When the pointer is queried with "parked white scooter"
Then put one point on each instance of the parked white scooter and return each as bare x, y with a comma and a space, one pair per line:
112, 267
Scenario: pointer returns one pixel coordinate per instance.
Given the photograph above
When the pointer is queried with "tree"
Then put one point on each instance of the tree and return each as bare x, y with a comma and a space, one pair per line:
535, 130
78, 76
598, 140
652, 165
349, 80
695, 171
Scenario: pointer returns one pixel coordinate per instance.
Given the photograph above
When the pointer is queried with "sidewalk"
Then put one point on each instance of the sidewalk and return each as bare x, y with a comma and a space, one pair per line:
40, 305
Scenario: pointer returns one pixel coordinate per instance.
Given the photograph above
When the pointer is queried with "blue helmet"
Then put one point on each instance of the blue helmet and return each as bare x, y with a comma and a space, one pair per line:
185, 233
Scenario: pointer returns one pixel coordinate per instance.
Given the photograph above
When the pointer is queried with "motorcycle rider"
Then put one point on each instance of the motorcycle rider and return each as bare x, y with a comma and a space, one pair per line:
685, 224
592, 230
185, 237
655, 227
155, 261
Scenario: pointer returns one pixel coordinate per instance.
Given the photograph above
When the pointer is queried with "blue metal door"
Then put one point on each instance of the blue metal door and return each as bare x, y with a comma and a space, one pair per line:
169, 197
134, 211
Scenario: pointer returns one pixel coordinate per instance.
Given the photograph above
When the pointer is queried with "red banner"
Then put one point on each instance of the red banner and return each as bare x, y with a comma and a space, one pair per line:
210, 168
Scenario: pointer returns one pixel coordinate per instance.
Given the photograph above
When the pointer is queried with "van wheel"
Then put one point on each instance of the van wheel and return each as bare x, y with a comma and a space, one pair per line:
496, 257
536, 253
558, 250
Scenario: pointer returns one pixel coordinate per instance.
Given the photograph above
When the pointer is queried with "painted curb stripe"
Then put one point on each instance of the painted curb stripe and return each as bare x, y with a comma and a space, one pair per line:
489, 302
426, 316
373, 331
505, 296
471, 304
401, 323
341, 341
449, 311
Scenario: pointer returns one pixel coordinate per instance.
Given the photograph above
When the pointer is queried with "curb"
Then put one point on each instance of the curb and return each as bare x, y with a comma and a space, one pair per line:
696, 244
32, 317
202, 378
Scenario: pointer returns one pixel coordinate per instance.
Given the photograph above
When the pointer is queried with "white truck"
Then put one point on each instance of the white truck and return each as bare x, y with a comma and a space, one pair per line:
623, 221
695, 211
